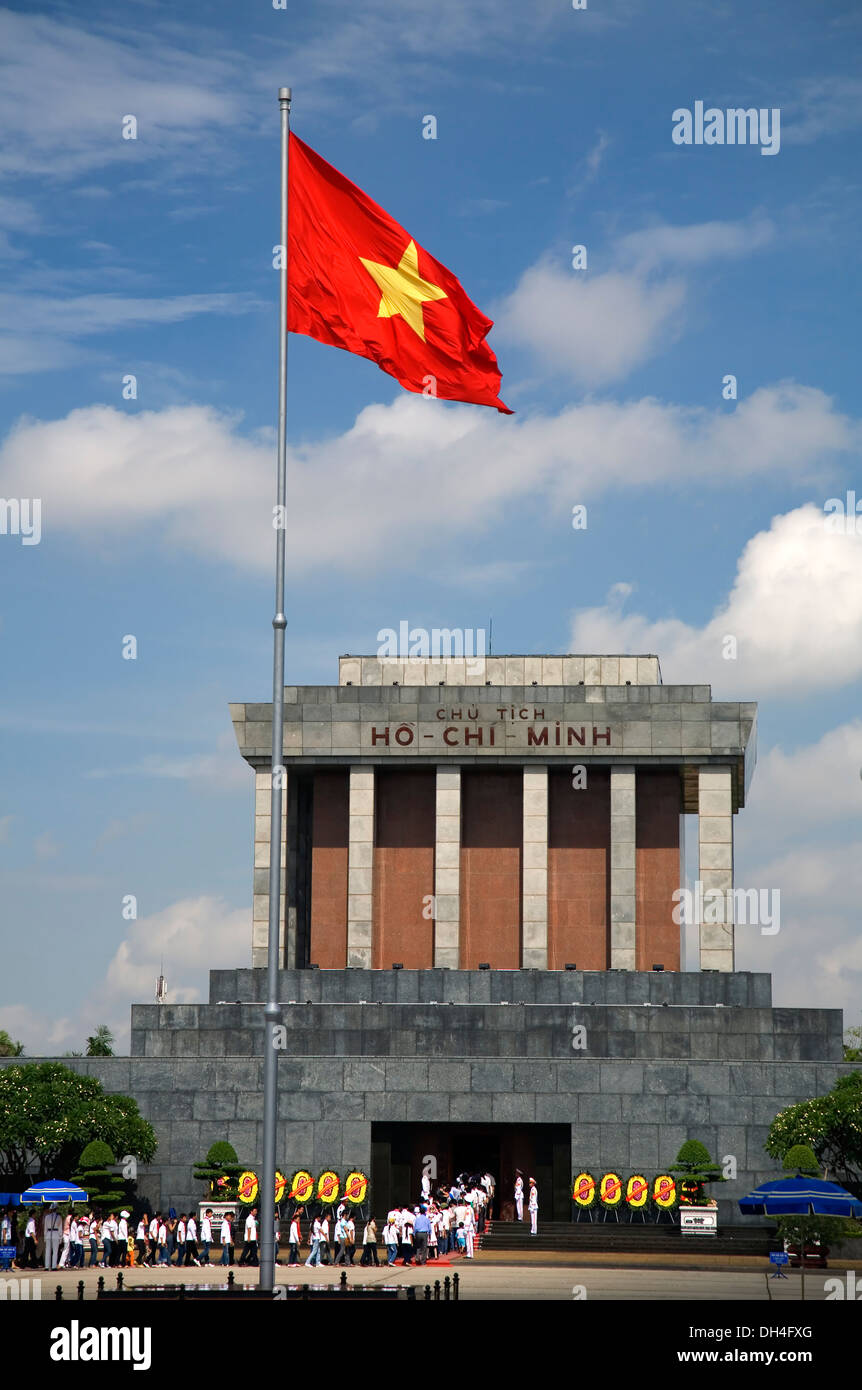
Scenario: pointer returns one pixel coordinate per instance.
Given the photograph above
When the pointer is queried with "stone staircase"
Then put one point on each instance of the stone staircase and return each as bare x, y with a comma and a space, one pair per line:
582, 1237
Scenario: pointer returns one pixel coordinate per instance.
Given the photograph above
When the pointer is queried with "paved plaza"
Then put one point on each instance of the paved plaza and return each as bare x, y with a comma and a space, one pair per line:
548, 1279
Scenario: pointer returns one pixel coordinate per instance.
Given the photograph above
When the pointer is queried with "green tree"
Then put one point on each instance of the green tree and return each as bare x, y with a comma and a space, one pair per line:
8, 1047
220, 1163
831, 1125
853, 1045
101, 1044
49, 1113
803, 1160
694, 1168
104, 1188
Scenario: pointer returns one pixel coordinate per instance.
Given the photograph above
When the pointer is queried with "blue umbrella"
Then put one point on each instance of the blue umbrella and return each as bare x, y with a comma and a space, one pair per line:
800, 1196
53, 1191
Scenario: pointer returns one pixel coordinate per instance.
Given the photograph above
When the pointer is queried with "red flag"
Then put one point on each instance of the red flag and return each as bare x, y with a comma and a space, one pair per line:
357, 280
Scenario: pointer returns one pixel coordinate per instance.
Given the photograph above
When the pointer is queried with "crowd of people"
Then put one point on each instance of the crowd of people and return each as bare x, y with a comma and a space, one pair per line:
115, 1241
441, 1223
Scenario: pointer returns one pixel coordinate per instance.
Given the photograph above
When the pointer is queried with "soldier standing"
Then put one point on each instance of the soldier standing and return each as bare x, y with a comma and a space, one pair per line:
519, 1194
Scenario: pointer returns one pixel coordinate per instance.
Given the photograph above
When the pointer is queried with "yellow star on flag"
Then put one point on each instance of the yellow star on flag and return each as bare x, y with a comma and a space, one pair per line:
402, 289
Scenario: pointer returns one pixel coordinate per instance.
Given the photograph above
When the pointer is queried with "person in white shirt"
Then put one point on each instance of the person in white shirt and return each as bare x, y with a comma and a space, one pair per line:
519, 1196
407, 1236
294, 1239
109, 1235
314, 1253
249, 1249
533, 1207
95, 1233
433, 1234
325, 1251
51, 1229
141, 1240
74, 1240
162, 1241
350, 1237
369, 1243
123, 1237
30, 1237
181, 1239
426, 1188
206, 1236
469, 1231
67, 1242
192, 1241
226, 1239
83, 1237
340, 1234
390, 1240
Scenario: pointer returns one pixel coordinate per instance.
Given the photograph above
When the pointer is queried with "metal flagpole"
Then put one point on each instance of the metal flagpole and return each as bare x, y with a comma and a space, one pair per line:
272, 1017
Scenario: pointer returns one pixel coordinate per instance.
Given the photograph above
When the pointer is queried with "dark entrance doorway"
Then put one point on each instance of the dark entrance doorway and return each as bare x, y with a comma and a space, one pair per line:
401, 1152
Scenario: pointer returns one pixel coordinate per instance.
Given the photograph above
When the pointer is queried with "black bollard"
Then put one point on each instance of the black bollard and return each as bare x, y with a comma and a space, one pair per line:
120, 1281
230, 1280
59, 1294
100, 1284
436, 1290
411, 1293
182, 1290
343, 1281
455, 1283
447, 1289
427, 1293
304, 1294
80, 1291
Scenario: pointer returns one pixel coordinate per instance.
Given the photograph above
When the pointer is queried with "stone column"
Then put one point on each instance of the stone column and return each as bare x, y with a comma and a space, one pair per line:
623, 930
534, 870
447, 869
260, 901
360, 867
715, 867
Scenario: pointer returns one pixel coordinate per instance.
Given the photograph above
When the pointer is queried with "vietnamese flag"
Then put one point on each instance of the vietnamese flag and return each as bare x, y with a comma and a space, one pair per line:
357, 280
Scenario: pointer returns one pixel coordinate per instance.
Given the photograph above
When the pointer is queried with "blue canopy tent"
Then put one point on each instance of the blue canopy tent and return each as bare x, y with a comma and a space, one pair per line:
9, 1199
800, 1196
52, 1191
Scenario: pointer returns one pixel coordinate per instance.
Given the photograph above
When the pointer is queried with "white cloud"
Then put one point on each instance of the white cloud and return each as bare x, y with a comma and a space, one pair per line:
187, 476
191, 937
594, 329
825, 106
597, 327
64, 91
795, 610
39, 331
816, 957
697, 244
218, 771
815, 786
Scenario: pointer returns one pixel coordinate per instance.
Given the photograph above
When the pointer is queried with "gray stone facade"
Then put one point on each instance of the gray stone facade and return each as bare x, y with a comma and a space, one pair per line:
668, 1057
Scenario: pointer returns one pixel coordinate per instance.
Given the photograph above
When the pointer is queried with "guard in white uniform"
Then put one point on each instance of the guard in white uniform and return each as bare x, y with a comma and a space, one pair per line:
519, 1197
533, 1207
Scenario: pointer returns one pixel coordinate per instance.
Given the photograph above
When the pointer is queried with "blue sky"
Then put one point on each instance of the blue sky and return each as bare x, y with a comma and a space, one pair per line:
705, 516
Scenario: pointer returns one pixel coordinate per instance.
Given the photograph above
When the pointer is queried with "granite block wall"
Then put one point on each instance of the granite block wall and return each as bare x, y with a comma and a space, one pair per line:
667, 1057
